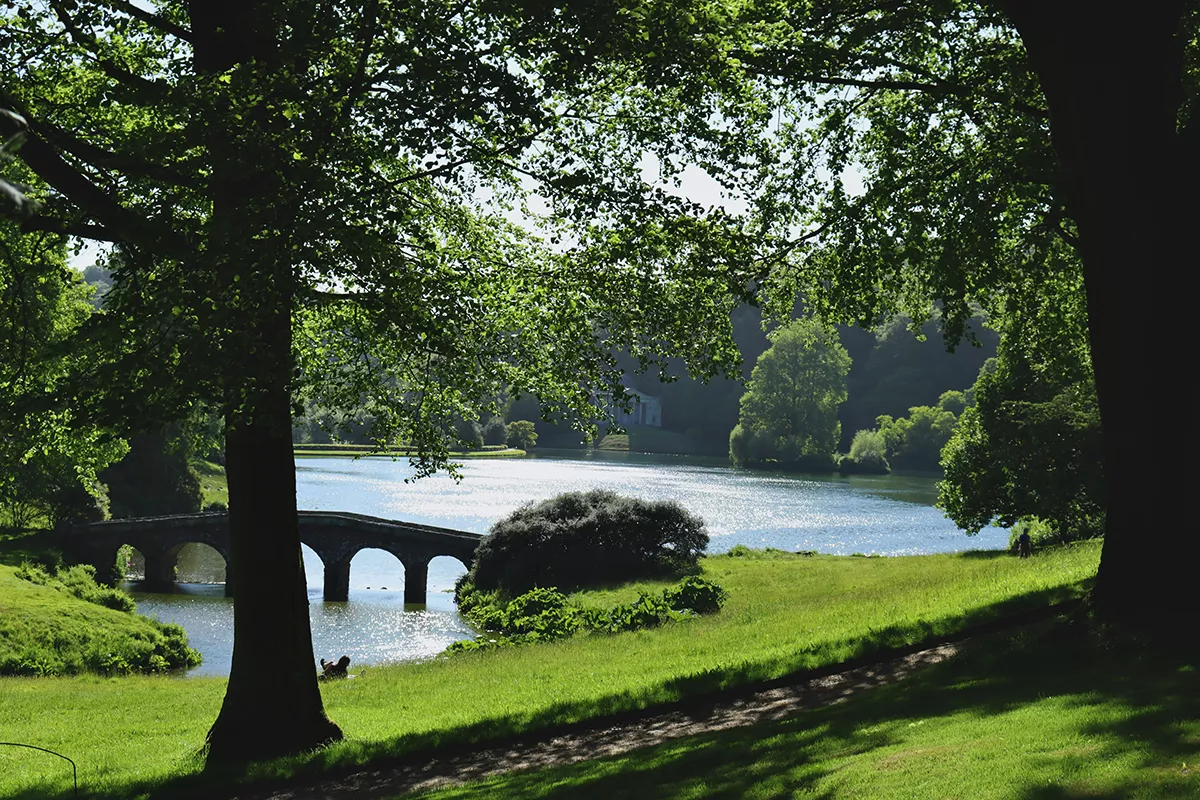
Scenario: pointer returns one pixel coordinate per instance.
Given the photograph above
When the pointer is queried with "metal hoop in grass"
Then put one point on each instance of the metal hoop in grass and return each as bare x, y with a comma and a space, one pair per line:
74, 771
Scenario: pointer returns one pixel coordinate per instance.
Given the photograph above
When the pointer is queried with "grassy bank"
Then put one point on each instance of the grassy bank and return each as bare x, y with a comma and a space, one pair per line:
785, 613
657, 440
364, 450
46, 631
213, 486
1047, 714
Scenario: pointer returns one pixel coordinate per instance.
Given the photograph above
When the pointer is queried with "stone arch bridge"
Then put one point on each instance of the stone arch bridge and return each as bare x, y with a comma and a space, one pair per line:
335, 536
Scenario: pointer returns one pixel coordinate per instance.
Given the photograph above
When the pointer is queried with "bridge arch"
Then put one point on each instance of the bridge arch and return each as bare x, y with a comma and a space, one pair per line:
200, 562
444, 570
334, 537
129, 564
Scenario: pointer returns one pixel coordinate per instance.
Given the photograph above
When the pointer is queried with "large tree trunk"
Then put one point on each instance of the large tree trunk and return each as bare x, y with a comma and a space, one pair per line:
1114, 85
272, 705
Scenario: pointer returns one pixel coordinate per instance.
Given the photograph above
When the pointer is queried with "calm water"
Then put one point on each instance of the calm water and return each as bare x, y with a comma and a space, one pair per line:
890, 515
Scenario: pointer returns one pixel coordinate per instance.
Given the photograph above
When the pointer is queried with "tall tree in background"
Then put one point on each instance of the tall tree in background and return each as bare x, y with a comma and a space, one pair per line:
1002, 145
789, 411
297, 191
48, 464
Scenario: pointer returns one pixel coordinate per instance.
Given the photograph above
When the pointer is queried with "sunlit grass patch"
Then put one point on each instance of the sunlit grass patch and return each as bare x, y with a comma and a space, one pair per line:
1060, 714
785, 614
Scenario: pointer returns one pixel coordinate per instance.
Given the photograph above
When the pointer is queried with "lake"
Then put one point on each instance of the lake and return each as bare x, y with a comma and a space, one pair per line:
889, 515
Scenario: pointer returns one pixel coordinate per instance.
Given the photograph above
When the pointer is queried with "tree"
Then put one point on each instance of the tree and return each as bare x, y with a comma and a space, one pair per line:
1001, 146
48, 463
916, 441
789, 411
296, 191
953, 401
868, 453
522, 434
154, 478
1031, 446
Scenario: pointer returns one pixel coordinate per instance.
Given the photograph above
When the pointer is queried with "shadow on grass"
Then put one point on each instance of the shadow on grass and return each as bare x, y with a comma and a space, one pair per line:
879, 644
698, 688
1131, 702
17, 547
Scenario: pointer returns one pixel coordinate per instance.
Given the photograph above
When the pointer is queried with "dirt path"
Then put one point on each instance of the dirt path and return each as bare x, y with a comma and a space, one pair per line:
601, 738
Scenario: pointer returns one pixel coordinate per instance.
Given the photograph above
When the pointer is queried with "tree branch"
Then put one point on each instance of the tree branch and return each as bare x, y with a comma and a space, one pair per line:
123, 224
151, 19
108, 66
96, 233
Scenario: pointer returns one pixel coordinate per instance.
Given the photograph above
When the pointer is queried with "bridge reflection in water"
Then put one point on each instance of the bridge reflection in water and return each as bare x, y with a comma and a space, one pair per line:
335, 537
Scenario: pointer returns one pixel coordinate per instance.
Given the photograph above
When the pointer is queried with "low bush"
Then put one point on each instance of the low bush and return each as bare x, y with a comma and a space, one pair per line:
78, 581
547, 614
1041, 534
696, 594
582, 539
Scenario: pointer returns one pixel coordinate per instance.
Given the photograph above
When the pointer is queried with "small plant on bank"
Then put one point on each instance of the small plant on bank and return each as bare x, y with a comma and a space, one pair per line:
584, 539
78, 581
547, 614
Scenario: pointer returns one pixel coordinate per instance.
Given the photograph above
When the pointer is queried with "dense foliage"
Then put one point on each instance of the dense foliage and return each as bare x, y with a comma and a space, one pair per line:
580, 539
154, 478
49, 457
545, 614
789, 411
1031, 446
522, 434
916, 441
868, 454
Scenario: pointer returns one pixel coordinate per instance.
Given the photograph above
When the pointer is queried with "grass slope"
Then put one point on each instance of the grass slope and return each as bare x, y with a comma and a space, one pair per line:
1048, 714
44, 631
785, 613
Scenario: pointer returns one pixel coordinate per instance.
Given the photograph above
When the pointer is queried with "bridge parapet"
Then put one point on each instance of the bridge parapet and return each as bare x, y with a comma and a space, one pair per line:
335, 536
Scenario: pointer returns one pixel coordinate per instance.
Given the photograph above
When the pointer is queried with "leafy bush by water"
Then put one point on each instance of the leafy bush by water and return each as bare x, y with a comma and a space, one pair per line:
547, 614
582, 539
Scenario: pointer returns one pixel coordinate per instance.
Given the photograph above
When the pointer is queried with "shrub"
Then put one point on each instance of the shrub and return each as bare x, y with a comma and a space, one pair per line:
867, 454
522, 434
547, 614
1041, 534
495, 432
696, 594
78, 581
583, 539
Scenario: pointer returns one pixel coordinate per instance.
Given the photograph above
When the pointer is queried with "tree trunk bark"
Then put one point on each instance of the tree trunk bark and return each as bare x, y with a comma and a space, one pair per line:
272, 705
1114, 86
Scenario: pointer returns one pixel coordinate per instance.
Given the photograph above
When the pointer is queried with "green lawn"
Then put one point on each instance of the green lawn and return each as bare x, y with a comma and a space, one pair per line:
213, 486
1052, 713
786, 613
